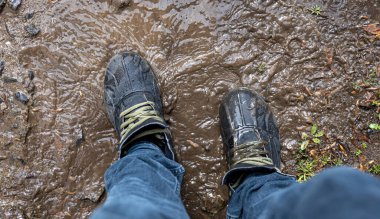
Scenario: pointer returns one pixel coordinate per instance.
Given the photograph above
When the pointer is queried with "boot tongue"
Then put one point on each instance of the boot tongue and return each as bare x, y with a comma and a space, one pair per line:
131, 100
247, 134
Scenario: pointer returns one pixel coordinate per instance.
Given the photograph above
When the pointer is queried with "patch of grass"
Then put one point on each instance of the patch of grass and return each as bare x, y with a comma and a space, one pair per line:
337, 162
325, 160
364, 145
316, 9
374, 126
305, 169
375, 169
261, 68
358, 152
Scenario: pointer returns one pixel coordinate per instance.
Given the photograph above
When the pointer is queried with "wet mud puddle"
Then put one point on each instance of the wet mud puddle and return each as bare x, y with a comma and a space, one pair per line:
57, 144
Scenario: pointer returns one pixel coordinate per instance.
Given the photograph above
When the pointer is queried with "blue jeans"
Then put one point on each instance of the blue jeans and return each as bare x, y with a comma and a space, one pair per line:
145, 184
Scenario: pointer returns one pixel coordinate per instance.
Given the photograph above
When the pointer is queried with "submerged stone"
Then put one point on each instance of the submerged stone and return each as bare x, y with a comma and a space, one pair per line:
2, 66
2, 4
14, 4
22, 97
7, 79
29, 15
31, 74
32, 30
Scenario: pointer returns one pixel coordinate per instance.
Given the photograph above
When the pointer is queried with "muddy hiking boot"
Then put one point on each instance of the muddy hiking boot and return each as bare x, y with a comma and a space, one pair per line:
133, 103
250, 136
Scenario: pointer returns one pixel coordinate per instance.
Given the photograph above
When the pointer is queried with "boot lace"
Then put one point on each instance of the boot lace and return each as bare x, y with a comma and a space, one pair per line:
136, 115
251, 153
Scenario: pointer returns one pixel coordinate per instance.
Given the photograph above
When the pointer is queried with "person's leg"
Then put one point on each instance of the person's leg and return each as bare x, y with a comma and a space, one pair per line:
248, 199
335, 193
251, 142
143, 184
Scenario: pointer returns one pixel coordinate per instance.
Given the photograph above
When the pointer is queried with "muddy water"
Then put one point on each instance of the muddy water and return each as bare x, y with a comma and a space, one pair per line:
56, 148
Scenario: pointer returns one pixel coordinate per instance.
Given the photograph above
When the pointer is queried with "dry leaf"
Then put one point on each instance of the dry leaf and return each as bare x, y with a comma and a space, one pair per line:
313, 153
193, 143
373, 29
341, 148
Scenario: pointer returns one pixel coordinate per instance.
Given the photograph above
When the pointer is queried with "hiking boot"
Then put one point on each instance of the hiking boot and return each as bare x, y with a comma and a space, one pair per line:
134, 104
250, 136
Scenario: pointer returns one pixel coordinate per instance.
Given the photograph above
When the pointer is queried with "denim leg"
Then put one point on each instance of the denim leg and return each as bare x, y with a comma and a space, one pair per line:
335, 193
143, 184
249, 198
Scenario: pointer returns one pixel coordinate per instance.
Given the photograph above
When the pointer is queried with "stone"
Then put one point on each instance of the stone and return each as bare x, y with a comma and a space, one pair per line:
7, 79
14, 4
120, 4
2, 4
80, 138
22, 97
31, 75
2, 65
32, 30
29, 15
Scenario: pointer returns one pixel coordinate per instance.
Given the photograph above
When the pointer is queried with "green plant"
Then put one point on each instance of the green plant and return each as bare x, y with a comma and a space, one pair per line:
364, 145
337, 162
375, 102
374, 126
305, 169
314, 137
261, 68
375, 169
325, 160
316, 9
358, 152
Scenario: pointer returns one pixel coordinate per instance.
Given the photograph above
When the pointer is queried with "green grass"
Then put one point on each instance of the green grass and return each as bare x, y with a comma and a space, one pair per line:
316, 9
375, 169
305, 169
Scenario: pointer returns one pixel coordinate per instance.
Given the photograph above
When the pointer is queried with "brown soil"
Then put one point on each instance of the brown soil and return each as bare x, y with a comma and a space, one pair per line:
56, 147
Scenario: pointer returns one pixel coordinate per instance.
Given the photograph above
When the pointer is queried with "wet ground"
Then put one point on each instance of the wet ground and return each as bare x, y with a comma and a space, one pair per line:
312, 68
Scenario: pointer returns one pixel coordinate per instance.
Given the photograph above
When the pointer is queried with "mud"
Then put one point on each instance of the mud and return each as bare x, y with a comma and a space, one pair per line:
56, 147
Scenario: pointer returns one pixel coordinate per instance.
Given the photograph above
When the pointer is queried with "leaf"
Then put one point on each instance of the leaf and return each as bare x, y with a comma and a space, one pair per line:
373, 29
374, 126
316, 140
364, 145
319, 134
304, 145
304, 136
313, 129
341, 148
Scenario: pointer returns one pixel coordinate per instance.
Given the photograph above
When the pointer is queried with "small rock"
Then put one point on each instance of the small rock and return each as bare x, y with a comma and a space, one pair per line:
14, 4
2, 65
290, 163
22, 97
3, 106
120, 4
31, 75
1, 100
32, 30
290, 144
79, 136
29, 15
2, 4
7, 79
